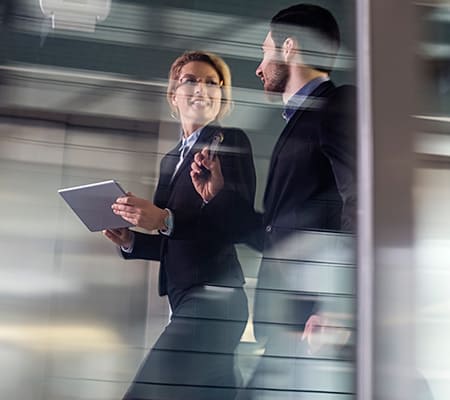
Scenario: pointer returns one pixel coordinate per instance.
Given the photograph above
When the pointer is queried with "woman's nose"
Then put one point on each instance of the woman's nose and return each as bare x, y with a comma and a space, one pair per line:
200, 87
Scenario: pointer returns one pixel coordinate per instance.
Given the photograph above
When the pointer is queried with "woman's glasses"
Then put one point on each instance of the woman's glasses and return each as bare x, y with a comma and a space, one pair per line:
191, 81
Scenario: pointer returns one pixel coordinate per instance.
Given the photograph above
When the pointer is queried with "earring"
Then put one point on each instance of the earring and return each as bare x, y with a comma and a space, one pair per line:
174, 115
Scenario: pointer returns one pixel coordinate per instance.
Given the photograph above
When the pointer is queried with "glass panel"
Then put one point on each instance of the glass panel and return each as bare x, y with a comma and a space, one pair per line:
82, 105
431, 195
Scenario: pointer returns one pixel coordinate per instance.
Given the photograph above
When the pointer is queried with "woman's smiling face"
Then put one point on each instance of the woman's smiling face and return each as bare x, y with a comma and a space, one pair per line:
198, 94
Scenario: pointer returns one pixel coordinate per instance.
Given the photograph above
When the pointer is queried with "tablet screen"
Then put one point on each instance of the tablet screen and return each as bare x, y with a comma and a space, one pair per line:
92, 203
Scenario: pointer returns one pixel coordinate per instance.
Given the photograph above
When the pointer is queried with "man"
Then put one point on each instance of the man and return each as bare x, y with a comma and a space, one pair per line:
310, 195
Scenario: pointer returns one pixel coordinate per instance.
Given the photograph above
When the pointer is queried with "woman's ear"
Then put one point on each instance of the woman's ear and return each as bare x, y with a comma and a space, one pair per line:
173, 99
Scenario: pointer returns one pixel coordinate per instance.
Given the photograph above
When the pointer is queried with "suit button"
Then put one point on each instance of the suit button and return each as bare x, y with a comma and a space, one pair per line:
269, 228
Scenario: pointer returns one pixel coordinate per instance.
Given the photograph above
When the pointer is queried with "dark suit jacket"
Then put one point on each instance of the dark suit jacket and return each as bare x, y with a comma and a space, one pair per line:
197, 254
311, 183
311, 188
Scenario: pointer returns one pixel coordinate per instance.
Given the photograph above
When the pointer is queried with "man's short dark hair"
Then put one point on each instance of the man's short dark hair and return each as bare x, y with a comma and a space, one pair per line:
314, 28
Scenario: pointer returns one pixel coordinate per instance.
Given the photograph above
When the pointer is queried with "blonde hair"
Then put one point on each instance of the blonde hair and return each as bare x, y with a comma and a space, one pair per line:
219, 66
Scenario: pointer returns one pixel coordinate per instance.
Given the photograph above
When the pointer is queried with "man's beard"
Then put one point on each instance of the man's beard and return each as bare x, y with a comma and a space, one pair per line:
276, 80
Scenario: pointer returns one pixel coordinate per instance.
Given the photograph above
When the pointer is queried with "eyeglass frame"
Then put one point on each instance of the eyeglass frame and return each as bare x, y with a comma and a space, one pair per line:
191, 81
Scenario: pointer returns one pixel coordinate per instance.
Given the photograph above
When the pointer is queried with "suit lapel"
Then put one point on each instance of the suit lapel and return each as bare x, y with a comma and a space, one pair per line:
309, 103
170, 162
167, 167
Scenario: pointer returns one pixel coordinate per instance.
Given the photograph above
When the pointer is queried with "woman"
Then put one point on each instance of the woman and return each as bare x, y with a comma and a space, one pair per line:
199, 269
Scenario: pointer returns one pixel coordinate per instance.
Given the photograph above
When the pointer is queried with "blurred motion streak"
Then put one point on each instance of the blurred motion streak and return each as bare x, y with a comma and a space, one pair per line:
60, 337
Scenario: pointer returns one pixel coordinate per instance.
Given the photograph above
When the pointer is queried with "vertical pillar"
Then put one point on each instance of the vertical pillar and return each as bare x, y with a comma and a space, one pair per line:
386, 83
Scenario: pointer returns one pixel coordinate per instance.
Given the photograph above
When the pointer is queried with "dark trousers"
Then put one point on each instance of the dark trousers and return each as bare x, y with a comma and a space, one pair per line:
292, 274
194, 356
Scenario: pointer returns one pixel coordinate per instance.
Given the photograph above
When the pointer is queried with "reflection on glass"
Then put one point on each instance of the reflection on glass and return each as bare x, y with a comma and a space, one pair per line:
431, 194
81, 106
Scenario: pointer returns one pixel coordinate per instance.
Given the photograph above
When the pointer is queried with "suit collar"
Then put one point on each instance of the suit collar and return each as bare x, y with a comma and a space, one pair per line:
314, 100
296, 100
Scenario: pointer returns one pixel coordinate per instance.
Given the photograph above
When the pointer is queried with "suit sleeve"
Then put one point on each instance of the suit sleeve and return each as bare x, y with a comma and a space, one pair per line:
146, 247
230, 214
338, 138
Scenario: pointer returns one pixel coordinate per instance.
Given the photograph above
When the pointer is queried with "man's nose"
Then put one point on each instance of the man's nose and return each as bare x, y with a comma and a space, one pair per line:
259, 70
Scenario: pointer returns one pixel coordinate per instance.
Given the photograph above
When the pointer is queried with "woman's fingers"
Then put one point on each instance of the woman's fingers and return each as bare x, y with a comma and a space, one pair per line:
119, 237
132, 217
130, 206
202, 160
139, 212
130, 200
196, 165
195, 168
123, 208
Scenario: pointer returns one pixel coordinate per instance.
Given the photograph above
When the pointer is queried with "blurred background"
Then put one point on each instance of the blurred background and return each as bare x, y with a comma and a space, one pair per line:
82, 99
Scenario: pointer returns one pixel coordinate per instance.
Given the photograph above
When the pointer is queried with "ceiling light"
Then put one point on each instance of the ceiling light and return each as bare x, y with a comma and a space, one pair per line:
80, 15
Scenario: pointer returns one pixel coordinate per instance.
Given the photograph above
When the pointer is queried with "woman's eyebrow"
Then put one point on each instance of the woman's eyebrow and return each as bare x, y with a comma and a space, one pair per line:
187, 76
194, 76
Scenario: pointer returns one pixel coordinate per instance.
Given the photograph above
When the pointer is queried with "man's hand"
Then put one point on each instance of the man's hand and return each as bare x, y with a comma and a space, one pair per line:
121, 237
314, 332
206, 185
140, 212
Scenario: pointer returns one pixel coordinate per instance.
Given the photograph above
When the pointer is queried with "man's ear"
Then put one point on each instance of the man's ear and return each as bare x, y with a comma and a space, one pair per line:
289, 49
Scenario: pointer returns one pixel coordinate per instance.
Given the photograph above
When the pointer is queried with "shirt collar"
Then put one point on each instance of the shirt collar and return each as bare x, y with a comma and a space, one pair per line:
190, 140
298, 98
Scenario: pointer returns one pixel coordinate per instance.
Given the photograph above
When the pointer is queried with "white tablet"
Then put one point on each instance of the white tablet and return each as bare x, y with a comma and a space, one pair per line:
92, 203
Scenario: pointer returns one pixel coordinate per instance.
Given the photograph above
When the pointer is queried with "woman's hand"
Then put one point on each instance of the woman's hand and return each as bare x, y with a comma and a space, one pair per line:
121, 237
140, 212
207, 185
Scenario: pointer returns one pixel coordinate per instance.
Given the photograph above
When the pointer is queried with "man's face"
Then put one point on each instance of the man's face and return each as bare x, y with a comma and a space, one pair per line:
273, 70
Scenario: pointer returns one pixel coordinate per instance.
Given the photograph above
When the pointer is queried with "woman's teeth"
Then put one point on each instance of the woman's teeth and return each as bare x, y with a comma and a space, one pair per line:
199, 103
